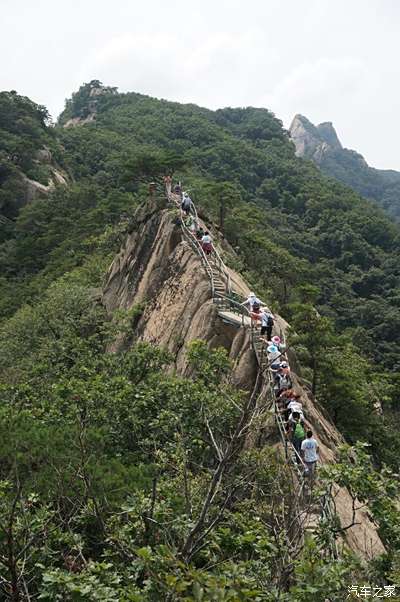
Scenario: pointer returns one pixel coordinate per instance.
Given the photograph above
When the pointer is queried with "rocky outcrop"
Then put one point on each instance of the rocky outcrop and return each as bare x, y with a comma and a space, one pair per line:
328, 133
157, 270
79, 120
313, 142
35, 190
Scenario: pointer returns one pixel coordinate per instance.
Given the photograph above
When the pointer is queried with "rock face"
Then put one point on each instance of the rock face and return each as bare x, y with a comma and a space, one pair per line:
158, 270
79, 120
313, 142
35, 190
329, 135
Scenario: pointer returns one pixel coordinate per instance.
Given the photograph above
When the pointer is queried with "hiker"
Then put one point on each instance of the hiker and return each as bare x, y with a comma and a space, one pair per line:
206, 243
298, 435
186, 204
294, 405
284, 398
168, 184
190, 223
278, 343
199, 233
283, 380
267, 323
284, 366
309, 452
290, 406
274, 356
253, 302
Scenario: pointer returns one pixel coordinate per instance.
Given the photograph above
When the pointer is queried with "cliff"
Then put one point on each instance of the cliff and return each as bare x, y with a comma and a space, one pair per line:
159, 271
311, 141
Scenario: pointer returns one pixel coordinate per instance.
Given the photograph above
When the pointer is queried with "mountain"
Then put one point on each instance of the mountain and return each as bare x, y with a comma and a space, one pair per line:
321, 144
141, 457
29, 154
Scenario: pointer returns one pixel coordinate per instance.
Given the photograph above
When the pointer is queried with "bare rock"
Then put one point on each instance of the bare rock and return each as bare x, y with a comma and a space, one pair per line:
313, 142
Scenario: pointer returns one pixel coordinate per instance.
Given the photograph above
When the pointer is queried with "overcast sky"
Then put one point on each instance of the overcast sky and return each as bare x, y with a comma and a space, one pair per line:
331, 60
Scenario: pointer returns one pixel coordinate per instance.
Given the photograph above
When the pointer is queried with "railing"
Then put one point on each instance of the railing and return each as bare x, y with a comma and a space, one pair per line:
223, 270
226, 302
195, 244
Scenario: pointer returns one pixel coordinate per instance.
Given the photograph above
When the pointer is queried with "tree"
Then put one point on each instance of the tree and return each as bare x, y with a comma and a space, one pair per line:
316, 334
226, 195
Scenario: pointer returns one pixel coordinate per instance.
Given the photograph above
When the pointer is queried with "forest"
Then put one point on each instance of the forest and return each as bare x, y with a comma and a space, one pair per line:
94, 501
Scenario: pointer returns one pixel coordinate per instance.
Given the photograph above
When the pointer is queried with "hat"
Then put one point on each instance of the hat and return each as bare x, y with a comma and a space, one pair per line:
276, 339
252, 295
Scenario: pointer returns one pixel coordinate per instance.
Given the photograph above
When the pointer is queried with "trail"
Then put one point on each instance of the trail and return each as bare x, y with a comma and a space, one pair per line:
309, 512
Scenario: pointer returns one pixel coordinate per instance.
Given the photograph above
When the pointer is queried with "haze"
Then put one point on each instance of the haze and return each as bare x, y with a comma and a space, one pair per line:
331, 61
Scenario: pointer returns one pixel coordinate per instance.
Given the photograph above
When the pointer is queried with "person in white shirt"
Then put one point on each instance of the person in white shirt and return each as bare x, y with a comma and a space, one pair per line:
253, 302
206, 243
295, 406
267, 322
292, 415
309, 452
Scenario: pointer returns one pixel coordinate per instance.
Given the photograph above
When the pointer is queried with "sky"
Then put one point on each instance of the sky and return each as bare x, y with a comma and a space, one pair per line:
330, 60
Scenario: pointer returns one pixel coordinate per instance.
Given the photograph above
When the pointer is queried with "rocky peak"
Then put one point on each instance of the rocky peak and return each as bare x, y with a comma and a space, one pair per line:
313, 142
328, 133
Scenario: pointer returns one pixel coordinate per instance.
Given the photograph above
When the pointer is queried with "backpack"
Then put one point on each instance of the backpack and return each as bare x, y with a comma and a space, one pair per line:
299, 432
270, 321
256, 306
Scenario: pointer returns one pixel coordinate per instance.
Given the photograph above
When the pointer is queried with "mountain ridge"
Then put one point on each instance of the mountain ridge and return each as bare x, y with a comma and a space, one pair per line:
123, 391
321, 144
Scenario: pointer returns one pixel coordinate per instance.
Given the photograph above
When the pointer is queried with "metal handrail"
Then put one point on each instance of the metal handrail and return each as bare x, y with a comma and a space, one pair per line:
326, 498
194, 243
221, 265
223, 269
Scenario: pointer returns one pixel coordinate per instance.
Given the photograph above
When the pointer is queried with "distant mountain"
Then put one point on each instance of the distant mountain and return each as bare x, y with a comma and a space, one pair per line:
30, 157
321, 144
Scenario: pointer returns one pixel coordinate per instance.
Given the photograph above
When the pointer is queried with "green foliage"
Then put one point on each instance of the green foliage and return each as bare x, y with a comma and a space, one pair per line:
379, 490
110, 462
84, 101
209, 367
24, 132
316, 578
350, 168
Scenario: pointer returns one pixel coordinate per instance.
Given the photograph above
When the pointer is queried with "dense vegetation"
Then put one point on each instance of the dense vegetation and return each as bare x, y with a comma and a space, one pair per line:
379, 184
106, 460
24, 133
